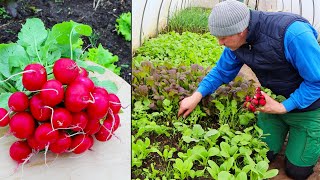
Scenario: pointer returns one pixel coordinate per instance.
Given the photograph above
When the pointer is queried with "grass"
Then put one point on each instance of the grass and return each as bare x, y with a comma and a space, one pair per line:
193, 19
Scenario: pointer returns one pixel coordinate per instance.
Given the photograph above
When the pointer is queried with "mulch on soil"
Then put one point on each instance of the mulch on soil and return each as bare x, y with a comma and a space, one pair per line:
102, 20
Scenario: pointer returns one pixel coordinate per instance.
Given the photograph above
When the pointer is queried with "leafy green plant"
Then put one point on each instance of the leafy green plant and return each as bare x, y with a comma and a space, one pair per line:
3, 13
123, 25
192, 19
229, 100
140, 150
104, 57
180, 50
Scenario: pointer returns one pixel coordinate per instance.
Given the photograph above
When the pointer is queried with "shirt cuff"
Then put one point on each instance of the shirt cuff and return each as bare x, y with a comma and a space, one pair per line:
289, 104
203, 91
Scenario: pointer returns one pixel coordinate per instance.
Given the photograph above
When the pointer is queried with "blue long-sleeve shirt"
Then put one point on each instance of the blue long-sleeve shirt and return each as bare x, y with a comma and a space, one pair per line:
301, 50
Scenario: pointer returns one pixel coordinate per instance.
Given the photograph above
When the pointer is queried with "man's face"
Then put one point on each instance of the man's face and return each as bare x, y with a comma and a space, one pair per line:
233, 41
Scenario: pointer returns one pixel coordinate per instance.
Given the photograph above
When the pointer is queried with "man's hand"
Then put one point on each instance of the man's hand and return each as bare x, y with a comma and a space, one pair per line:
271, 106
188, 104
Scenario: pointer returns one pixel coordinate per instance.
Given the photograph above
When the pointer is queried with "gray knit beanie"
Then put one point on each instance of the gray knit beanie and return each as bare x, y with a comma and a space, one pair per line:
228, 18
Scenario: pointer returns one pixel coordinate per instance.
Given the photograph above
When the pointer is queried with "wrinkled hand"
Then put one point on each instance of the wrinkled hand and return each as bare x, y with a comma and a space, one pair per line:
188, 104
271, 106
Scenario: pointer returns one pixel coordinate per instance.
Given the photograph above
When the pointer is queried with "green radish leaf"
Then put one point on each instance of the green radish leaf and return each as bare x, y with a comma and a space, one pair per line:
4, 97
211, 133
97, 69
233, 150
213, 169
197, 130
110, 86
225, 148
213, 151
242, 176
166, 102
32, 34
227, 165
271, 173
66, 31
262, 166
225, 175
247, 168
189, 139
12, 52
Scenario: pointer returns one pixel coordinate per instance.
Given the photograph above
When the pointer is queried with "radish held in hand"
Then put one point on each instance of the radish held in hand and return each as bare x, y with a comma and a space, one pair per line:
258, 100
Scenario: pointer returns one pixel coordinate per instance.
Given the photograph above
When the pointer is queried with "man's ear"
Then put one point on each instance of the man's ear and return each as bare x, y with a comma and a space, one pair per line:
244, 33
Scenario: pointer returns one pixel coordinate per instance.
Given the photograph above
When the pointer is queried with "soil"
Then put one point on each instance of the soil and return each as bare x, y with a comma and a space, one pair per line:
102, 20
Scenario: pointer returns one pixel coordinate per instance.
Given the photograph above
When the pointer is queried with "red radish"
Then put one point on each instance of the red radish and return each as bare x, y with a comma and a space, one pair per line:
105, 132
92, 127
80, 143
34, 80
61, 145
61, 118
262, 102
18, 101
100, 107
34, 144
87, 82
20, 151
4, 117
92, 141
83, 72
100, 90
114, 102
79, 121
38, 109
252, 108
22, 125
65, 70
77, 97
52, 93
248, 98
254, 102
45, 134
115, 118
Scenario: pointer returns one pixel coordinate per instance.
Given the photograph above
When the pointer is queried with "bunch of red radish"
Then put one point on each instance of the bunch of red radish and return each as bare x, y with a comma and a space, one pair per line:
252, 103
62, 114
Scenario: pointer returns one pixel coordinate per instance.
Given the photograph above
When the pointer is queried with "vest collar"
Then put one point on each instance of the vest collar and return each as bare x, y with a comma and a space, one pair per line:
254, 27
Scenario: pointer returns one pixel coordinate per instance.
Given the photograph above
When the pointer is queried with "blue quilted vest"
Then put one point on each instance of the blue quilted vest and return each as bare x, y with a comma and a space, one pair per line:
264, 53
